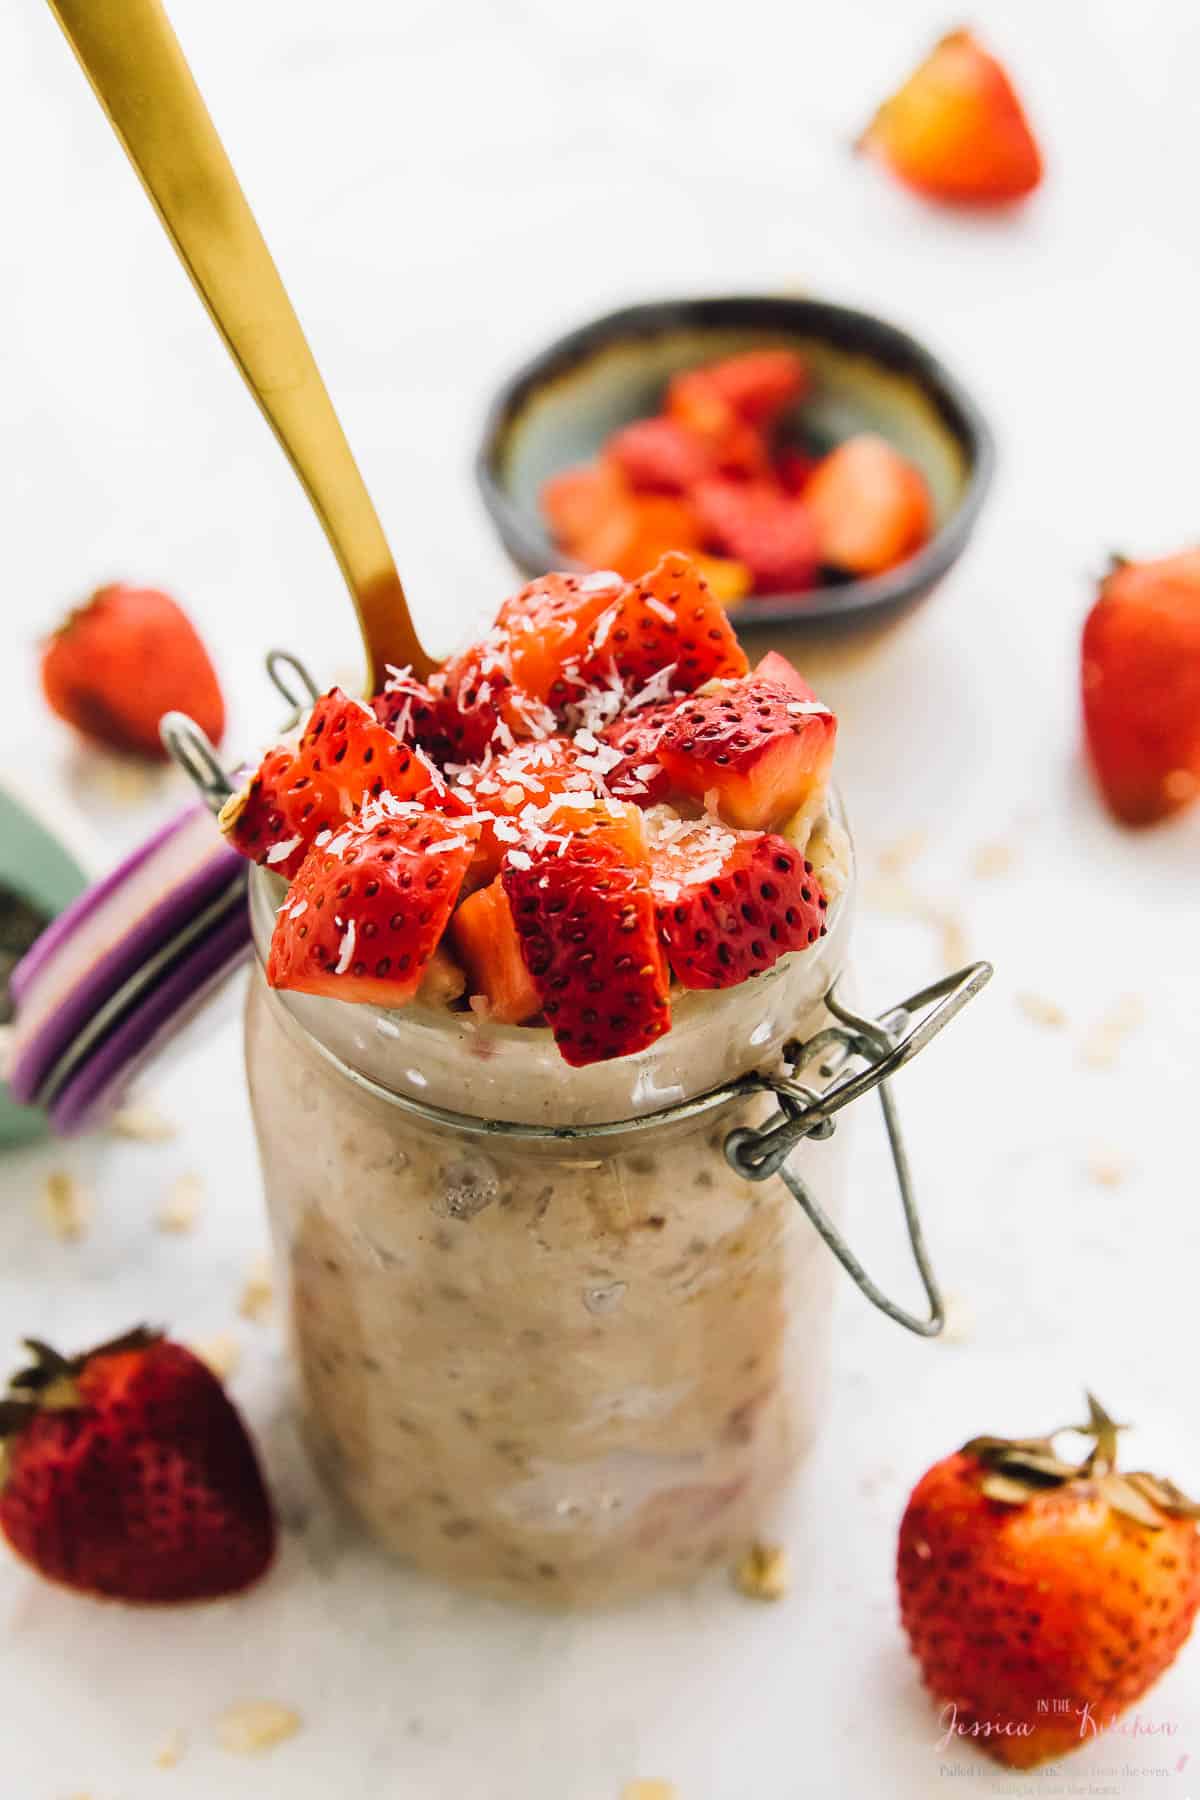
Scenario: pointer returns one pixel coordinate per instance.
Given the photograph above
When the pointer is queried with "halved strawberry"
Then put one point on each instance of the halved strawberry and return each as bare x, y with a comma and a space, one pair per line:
730, 904
659, 456
490, 950
760, 384
757, 749
668, 619
869, 506
364, 913
344, 757
586, 923
768, 530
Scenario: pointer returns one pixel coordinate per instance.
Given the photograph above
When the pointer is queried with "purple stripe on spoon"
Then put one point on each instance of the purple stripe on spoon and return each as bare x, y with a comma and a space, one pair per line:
169, 1004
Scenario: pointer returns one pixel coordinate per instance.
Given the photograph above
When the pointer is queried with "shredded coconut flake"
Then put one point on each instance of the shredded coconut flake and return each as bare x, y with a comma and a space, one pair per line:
283, 849
520, 859
346, 952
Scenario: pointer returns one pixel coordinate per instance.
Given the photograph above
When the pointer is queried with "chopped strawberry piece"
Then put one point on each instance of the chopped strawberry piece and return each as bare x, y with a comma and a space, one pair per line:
760, 384
366, 910
415, 712
528, 779
487, 942
637, 534
869, 506
658, 456
956, 131
578, 501
667, 620
730, 904
1141, 687
794, 469
696, 401
772, 533
344, 757
777, 668
762, 752
639, 776
589, 941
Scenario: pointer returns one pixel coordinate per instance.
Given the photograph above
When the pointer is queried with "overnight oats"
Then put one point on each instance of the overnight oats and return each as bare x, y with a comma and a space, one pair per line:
540, 914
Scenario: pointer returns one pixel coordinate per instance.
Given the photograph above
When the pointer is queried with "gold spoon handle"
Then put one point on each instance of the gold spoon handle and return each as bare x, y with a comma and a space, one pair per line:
133, 60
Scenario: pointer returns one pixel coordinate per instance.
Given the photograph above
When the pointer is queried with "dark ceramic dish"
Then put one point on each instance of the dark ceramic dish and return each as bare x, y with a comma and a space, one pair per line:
868, 376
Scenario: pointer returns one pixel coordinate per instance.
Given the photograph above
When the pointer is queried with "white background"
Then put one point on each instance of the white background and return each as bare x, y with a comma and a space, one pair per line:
444, 186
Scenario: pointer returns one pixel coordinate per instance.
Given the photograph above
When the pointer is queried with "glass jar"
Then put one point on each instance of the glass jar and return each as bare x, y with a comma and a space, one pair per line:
547, 1346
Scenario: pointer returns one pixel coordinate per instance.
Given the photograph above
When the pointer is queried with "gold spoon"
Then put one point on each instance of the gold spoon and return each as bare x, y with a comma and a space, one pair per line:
133, 60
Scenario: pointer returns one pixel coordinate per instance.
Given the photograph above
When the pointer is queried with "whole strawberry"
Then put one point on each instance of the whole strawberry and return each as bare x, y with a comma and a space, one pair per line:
127, 1473
1141, 686
1043, 1597
123, 659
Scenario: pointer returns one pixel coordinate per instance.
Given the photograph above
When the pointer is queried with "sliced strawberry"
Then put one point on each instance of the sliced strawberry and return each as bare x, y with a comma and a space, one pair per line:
589, 941
490, 950
659, 456
777, 668
730, 904
696, 401
344, 757
1141, 687
578, 501
869, 506
639, 776
761, 752
667, 620
365, 912
635, 535
760, 384
769, 531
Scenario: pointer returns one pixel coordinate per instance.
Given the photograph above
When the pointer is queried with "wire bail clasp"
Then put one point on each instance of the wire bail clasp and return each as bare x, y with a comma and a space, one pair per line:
865, 1054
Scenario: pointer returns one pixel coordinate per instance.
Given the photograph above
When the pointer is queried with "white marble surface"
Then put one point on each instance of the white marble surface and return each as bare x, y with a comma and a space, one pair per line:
443, 186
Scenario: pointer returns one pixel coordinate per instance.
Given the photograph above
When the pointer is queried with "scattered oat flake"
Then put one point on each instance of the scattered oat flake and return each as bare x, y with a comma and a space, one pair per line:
650, 1790
1106, 1168
895, 858
1105, 1039
251, 1727
764, 1573
67, 1205
142, 1120
221, 1352
258, 1291
1041, 1010
990, 860
172, 1751
181, 1208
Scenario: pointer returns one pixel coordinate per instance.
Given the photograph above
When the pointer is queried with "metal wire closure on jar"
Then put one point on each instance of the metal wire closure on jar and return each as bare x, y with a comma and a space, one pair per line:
854, 1056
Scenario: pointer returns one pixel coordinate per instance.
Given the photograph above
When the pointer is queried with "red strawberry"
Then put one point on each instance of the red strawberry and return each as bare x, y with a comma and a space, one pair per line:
696, 401
130, 1475
769, 531
956, 130
668, 619
639, 776
759, 750
1042, 1597
578, 501
367, 907
777, 668
658, 456
869, 506
730, 904
760, 384
123, 659
1141, 687
530, 776
344, 757
586, 924
486, 940
794, 469
415, 712
637, 533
